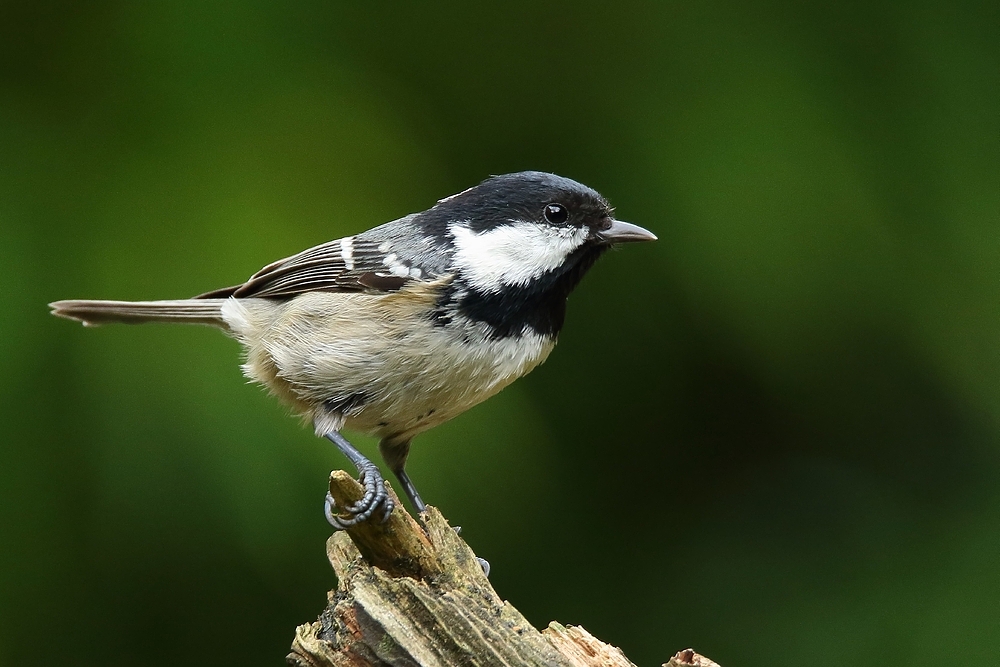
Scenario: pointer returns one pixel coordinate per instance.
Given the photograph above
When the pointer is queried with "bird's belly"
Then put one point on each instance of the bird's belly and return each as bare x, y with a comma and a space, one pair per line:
391, 376
441, 374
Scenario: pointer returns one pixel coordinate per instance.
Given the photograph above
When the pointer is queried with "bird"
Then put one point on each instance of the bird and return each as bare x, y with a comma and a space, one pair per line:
402, 327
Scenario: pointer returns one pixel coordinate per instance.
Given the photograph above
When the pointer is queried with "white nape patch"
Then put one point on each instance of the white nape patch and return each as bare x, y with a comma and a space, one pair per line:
513, 254
347, 252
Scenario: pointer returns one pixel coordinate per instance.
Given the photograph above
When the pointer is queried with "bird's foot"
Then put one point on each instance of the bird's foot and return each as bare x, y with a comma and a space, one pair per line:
376, 499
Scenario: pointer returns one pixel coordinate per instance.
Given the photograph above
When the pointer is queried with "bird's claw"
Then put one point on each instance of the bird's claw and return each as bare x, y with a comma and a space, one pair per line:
376, 499
483, 563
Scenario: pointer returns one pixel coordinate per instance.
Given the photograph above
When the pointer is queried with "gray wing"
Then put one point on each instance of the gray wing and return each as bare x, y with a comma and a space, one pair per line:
383, 259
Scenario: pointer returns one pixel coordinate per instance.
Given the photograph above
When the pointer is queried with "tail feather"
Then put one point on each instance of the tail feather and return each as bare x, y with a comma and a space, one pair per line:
188, 311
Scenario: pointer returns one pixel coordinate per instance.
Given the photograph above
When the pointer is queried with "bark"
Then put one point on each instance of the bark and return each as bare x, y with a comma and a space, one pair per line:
413, 595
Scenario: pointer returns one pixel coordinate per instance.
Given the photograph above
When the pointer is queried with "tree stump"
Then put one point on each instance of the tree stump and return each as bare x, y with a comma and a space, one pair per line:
417, 596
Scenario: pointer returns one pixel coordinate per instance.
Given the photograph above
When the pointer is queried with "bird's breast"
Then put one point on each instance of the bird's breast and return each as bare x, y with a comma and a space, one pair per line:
439, 372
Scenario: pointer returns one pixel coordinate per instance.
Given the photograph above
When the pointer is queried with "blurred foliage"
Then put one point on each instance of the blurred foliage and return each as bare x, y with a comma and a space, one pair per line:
773, 435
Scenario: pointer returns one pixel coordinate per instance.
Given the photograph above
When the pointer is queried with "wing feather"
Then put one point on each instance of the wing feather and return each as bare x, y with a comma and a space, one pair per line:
325, 268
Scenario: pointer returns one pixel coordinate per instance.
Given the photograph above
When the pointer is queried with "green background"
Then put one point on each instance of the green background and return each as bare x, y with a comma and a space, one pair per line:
772, 435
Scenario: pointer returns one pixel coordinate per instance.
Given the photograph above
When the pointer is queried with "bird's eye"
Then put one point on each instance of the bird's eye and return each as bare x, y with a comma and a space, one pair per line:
556, 213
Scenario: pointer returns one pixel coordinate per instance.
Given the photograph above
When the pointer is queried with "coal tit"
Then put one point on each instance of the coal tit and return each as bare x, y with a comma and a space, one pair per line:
402, 327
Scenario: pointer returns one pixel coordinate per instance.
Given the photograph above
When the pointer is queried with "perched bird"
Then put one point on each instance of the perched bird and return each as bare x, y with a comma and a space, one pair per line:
404, 326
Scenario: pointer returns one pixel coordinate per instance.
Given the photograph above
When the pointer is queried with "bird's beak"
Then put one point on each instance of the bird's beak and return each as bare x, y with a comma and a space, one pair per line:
624, 232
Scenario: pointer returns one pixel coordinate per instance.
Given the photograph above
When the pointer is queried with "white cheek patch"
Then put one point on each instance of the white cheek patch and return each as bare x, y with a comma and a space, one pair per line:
512, 254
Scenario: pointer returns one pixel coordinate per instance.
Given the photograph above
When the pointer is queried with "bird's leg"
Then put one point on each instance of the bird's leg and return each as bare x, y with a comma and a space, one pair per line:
411, 491
368, 474
395, 454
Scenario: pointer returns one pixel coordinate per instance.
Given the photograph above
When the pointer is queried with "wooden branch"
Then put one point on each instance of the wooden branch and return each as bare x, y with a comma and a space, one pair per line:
417, 596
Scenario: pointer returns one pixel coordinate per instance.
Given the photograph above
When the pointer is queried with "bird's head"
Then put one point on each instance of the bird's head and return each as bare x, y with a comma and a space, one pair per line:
527, 229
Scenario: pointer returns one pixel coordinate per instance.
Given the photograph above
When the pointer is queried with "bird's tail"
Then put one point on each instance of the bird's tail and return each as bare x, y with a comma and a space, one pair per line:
188, 311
